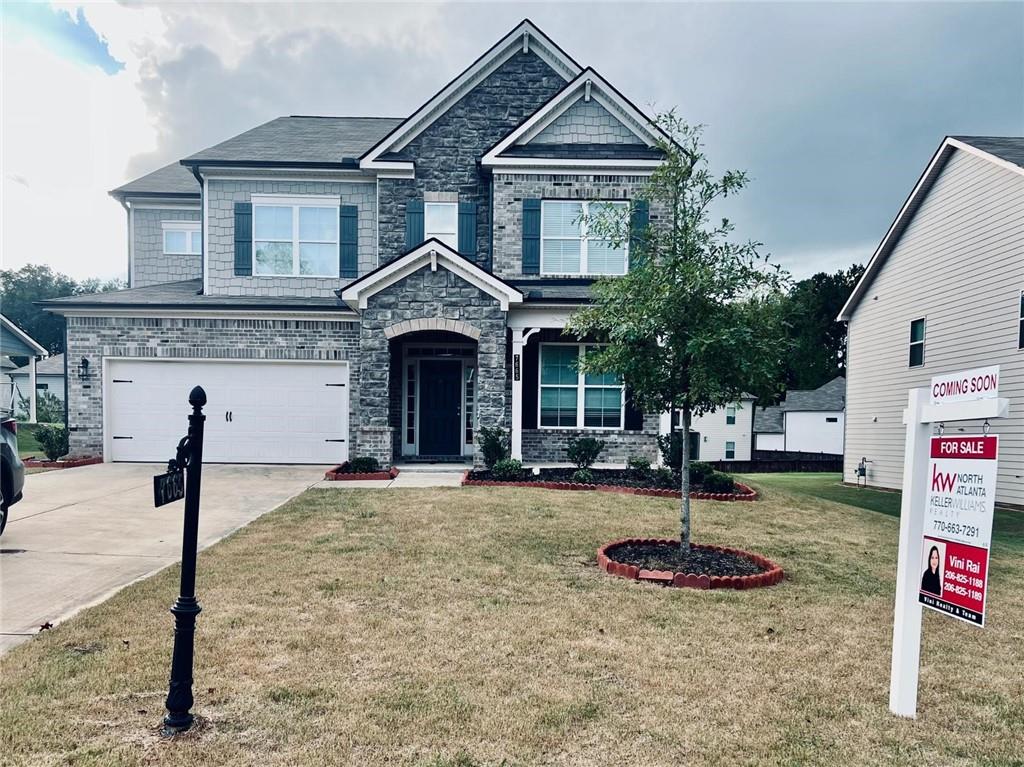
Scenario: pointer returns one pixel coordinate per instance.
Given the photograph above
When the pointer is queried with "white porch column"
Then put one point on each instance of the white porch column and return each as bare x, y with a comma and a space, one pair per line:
32, 390
517, 393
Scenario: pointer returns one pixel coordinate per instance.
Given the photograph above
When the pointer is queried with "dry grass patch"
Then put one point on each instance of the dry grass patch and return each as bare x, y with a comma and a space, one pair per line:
467, 627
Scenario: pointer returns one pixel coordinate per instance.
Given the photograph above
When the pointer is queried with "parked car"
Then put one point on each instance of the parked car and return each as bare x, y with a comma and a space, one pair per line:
12, 470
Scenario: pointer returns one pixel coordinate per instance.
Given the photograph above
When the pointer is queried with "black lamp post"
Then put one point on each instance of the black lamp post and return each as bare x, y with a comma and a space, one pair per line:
190, 458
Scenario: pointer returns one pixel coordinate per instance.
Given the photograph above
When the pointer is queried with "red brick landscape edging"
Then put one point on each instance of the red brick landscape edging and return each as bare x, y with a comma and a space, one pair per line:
35, 463
772, 574
338, 474
746, 493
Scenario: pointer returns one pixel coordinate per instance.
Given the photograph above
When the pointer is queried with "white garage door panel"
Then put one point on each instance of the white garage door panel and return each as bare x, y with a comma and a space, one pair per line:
256, 412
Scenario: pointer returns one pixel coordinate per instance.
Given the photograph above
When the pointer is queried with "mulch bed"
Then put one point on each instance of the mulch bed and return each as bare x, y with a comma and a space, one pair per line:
35, 463
661, 560
342, 474
605, 480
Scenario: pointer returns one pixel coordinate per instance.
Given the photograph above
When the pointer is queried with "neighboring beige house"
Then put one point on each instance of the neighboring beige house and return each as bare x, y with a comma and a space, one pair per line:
943, 292
808, 421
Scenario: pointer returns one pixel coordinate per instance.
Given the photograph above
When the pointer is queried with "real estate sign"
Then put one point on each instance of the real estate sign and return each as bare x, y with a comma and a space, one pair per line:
959, 506
965, 385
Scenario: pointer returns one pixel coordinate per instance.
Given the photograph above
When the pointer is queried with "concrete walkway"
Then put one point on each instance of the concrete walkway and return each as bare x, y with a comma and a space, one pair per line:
82, 534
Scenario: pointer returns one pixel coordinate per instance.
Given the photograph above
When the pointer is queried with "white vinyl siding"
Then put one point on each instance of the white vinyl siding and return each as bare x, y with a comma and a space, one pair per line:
959, 264
814, 432
716, 431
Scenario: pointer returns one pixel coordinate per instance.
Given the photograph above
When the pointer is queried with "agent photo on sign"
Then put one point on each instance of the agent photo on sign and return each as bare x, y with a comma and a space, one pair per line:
931, 581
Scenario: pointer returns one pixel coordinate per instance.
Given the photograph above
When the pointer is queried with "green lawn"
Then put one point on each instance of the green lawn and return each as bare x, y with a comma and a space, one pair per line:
27, 445
1007, 529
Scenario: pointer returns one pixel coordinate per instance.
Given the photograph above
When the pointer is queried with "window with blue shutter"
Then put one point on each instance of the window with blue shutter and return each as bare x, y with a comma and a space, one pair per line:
349, 262
639, 219
413, 223
243, 239
531, 236
467, 229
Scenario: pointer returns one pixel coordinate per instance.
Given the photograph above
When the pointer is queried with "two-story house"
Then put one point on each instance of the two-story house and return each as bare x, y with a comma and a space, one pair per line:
346, 286
943, 292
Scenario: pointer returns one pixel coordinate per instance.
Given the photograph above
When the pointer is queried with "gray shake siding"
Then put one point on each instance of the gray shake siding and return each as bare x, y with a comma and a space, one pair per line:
586, 123
446, 154
279, 339
427, 295
960, 266
149, 264
222, 196
510, 189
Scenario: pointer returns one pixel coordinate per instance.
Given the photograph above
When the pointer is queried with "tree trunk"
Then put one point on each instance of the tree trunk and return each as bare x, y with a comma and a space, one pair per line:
684, 470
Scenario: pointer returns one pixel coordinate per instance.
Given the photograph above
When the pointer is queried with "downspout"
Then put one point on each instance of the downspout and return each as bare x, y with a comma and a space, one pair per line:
202, 221
128, 221
67, 352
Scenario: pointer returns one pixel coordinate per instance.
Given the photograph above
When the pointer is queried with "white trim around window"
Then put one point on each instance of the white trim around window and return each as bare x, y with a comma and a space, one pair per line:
566, 249
580, 387
182, 238
306, 243
441, 221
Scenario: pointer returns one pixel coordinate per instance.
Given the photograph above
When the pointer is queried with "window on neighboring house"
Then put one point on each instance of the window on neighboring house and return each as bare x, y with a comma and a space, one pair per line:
441, 220
182, 238
730, 415
1020, 332
297, 238
917, 343
571, 399
730, 449
566, 248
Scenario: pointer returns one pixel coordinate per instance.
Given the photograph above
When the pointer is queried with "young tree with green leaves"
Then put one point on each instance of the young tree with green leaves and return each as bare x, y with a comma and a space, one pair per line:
698, 320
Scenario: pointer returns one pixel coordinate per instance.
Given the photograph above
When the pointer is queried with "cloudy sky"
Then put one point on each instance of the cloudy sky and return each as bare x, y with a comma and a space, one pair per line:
834, 109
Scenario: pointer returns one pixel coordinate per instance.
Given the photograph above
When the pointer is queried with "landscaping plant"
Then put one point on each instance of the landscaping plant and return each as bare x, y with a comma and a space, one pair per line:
638, 467
583, 476
365, 464
53, 438
507, 470
583, 451
494, 444
718, 482
698, 320
49, 407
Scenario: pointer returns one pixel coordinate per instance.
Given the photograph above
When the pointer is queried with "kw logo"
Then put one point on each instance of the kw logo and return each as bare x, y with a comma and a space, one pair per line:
941, 481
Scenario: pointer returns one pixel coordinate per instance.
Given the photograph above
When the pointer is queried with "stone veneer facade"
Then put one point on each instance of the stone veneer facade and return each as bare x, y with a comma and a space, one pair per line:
447, 152
149, 264
222, 196
96, 338
425, 295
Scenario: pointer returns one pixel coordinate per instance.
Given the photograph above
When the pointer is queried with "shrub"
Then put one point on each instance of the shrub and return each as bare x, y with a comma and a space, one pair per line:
699, 472
53, 438
639, 468
671, 447
664, 477
718, 482
507, 470
49, 407
494, 444
583, 476
365, 464
583, 451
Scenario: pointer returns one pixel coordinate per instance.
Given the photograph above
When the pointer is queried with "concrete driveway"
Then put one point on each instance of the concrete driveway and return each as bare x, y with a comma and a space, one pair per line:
82, 534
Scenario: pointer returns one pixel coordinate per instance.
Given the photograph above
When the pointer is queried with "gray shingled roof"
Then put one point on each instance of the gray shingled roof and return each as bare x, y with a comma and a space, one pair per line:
570, 291
828, 397
1009, 148
300, 140
768, 420
174, 180
186, 295
49, 366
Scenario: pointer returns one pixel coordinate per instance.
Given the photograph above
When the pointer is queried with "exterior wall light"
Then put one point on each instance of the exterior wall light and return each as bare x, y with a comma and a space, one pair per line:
83, 369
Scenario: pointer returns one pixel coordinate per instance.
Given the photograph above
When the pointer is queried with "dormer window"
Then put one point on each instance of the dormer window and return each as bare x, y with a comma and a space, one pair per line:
567, 248
182, 238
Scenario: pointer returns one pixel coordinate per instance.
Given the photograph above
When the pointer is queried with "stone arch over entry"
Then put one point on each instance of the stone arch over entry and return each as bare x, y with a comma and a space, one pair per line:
432, 323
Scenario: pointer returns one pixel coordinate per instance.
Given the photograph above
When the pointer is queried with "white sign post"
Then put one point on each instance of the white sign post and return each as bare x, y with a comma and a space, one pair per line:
966, 396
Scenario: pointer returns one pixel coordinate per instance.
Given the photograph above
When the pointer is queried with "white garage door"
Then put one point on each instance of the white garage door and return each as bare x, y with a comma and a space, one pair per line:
256, 412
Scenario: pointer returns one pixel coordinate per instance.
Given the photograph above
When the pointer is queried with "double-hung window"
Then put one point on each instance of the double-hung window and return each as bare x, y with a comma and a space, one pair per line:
182, 238
730, 415
917, 343
441, 220
570, 398
566, 247
730, 450
295, 236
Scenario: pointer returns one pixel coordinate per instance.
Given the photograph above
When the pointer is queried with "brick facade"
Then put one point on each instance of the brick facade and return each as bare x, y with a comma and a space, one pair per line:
149, 264
222, 196
447, 153
548, 445
162, 338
